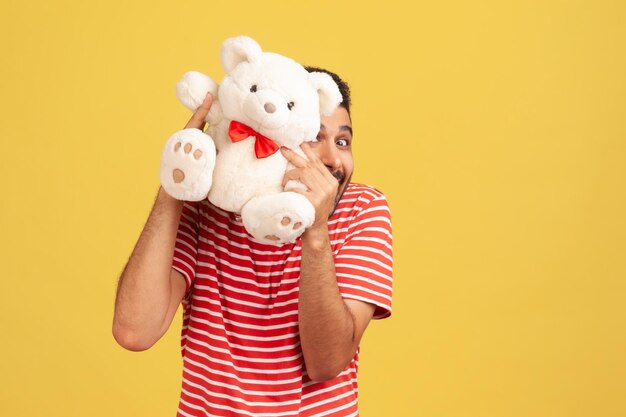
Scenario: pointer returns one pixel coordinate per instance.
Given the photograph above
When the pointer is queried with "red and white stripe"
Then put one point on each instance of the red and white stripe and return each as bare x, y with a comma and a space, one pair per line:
240, 344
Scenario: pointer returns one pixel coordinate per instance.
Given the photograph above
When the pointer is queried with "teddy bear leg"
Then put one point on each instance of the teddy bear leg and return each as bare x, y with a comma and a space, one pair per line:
187, 165
277, 218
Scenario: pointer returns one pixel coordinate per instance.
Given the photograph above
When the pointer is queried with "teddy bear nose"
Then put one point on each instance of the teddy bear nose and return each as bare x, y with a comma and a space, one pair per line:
269, 107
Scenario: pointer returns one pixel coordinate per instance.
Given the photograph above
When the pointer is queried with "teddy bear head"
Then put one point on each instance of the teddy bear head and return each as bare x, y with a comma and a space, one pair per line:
273, 94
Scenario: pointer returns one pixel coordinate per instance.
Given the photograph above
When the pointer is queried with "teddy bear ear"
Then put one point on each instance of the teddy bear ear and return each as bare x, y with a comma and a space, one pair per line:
327, 90
237, 50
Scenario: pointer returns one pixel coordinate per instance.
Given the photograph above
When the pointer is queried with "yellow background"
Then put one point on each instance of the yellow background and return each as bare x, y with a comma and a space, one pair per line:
496, 129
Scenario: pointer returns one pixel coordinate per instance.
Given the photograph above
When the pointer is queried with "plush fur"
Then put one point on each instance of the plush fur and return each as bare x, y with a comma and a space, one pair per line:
276, 97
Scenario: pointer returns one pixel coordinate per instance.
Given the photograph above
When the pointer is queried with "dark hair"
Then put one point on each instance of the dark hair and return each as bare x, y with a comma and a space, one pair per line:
344, 89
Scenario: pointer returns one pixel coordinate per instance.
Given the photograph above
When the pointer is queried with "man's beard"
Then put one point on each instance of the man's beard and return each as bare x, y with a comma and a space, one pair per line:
339, 175
343, 185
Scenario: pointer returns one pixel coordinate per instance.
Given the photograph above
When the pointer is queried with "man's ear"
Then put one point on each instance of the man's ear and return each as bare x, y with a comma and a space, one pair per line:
327, 90
237, 50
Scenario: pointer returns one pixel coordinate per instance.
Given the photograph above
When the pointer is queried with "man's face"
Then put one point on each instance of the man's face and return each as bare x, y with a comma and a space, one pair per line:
334, 147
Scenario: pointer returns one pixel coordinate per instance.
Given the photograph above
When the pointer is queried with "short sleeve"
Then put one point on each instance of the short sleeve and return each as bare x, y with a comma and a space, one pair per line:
186, 248
363, 264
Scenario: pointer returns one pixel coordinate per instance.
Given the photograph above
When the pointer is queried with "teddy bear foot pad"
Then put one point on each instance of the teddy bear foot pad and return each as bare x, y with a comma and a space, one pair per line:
187, 165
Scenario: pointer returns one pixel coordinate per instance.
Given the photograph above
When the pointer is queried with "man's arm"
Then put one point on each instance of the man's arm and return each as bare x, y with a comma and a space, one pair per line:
330, 327
149, 290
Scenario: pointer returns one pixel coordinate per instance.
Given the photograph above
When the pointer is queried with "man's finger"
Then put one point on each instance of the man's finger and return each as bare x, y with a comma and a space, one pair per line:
317, 163
312, 156
309, 177
197, 119
293, 157
292, 174
306, 148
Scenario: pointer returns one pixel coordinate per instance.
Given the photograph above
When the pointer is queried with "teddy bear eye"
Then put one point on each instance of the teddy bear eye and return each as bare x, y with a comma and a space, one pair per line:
253, 89
290, 105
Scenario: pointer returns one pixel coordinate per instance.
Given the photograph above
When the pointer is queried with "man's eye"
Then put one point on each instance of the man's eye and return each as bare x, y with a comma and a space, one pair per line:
342, 142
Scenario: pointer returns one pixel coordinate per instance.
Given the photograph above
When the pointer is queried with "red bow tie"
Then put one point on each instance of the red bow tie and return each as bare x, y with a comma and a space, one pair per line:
263, 146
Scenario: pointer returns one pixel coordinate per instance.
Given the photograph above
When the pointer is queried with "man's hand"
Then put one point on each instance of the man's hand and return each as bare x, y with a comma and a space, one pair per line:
322, 185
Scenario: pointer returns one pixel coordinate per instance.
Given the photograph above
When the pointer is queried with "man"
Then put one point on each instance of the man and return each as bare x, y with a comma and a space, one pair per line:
267, 331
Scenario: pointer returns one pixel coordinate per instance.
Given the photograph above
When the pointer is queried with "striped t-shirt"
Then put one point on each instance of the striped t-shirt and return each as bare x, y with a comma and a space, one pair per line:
240, 344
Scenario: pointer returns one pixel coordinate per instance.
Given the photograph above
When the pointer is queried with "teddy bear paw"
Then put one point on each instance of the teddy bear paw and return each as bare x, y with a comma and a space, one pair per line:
193, 88
187, 165
287, 223
278, 218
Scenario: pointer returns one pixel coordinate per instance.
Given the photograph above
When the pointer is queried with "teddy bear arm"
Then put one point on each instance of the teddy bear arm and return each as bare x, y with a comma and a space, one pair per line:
193, 88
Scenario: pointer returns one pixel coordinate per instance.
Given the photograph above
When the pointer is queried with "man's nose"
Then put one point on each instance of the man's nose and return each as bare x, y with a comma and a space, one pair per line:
329, 154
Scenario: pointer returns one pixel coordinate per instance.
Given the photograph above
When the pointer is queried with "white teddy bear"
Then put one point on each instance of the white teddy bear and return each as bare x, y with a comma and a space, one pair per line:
265, 101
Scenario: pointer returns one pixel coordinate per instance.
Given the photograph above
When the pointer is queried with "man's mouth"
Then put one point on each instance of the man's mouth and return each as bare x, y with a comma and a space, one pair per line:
339, 175
341, 178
